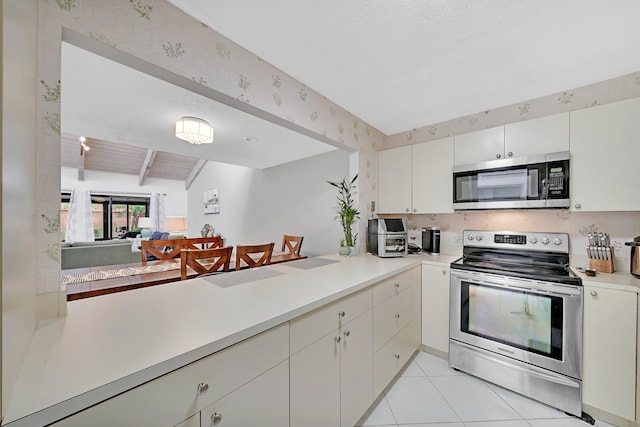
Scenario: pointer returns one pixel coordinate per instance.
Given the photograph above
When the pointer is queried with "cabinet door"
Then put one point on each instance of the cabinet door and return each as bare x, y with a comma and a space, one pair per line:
356, 367
435, 307
432, 181
480, 146
548, 134
315, 384
609, 360
394, 180
604, 157
263, 402
193, 421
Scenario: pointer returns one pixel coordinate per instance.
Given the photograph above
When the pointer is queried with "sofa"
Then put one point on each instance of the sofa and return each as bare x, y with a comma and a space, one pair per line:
101, 252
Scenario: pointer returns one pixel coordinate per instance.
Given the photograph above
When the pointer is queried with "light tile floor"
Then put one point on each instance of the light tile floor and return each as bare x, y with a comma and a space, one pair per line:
430, 394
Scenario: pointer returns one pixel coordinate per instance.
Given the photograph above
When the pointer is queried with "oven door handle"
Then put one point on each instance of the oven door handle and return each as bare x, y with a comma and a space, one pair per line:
533, 371
517, 283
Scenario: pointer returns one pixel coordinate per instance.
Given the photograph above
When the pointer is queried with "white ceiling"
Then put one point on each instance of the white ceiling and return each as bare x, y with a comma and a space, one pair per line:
404, 64
104, 100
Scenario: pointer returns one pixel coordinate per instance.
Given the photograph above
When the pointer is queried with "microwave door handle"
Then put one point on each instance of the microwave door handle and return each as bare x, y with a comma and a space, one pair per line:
545, 189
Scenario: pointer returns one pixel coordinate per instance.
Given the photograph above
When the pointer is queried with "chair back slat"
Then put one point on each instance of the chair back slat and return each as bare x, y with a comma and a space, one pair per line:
170, 248
261, 252
204, 261
291, 244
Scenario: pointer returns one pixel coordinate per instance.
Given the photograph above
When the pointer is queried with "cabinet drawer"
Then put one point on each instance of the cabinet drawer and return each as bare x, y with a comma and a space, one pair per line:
262, 402
388, 361
307, 329
392, 286
174, 397
390, 316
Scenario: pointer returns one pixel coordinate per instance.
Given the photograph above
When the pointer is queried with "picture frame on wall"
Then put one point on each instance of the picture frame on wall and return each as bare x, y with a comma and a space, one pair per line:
211, 201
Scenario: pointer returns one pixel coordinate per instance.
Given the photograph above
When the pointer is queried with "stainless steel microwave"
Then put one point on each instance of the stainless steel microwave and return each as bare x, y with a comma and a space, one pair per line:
540, 181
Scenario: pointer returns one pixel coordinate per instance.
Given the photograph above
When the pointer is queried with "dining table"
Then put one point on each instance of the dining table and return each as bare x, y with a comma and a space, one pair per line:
94, 281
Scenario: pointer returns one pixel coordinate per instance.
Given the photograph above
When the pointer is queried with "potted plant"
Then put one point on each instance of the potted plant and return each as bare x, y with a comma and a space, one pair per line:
347, 213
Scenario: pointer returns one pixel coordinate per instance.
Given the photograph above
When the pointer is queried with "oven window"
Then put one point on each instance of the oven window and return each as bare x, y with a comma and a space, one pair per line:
529, 321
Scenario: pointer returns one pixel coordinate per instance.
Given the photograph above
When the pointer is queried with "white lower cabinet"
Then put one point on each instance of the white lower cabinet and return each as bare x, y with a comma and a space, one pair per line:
177, 396
193, 421
263, 402
331, 378
435, 307
609, 348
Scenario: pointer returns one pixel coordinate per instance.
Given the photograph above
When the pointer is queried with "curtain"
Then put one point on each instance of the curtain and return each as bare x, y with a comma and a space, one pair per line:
80, 219
156, 211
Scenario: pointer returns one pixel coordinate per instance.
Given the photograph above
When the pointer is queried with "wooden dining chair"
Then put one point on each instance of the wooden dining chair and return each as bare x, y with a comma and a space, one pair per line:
204, 261
291, 244
253, 255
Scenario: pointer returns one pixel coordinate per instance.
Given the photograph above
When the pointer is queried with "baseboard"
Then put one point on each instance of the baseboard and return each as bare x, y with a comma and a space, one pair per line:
439, 353
608, 417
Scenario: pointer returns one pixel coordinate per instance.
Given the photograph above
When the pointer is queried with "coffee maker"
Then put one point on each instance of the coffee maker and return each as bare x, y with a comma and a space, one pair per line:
431, 240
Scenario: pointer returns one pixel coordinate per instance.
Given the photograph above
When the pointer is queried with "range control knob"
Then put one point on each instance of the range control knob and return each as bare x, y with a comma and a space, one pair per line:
470, 237
533, 240
557, 241
545, 241
478, 237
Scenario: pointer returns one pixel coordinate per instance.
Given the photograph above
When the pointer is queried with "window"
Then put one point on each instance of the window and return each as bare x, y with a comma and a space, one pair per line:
113, 215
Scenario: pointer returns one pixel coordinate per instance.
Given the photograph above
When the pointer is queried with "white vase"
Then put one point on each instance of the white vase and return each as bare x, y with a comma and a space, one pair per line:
344, 250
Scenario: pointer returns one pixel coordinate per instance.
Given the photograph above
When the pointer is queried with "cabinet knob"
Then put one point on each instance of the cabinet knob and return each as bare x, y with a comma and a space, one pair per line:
593, 293
397, 356
216, 418
347, 333
203, 387
407, 210
510, 154
577, 205
415, 210
397, 316
498, 155
396, 285
337, 339
444, 271
342, 314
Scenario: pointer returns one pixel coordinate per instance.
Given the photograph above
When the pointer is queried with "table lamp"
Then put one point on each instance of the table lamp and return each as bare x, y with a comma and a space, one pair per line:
145, 223
175, 225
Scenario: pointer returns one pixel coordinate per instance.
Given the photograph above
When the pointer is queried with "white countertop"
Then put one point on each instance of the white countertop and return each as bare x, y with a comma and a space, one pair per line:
620, 279
112, 343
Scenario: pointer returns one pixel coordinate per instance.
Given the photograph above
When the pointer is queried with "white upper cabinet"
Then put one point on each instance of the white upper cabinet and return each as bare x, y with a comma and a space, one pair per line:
416, 178
548, 134
538, 136
480, 146
394, 180
431, 170
605, 148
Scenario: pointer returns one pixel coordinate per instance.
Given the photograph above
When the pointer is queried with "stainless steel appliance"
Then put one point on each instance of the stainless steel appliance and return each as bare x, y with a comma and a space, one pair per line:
516, 315
387, 237
431, 240
540, 181
635, 256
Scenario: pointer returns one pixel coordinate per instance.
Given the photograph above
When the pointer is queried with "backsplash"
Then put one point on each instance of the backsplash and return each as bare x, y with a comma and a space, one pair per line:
621, 226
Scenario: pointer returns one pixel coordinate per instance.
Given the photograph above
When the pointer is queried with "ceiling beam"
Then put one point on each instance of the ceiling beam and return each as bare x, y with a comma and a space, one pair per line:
194, 173
81, 164
146, 165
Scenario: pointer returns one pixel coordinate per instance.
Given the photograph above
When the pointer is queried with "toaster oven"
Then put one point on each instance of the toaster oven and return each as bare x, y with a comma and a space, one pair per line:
387, 237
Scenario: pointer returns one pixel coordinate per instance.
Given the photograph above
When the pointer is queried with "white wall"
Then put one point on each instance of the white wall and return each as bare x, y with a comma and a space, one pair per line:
108, 183
19, 230
258, 206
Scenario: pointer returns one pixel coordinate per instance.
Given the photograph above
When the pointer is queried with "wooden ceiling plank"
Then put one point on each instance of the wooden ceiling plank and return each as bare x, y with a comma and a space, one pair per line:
146, 165
200, 164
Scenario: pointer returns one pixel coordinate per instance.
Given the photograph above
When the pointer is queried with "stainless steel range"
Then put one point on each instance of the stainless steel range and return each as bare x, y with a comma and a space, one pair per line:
516, 315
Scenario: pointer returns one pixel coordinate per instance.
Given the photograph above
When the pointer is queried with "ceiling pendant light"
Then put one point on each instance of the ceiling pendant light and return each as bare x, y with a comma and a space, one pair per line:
194, 130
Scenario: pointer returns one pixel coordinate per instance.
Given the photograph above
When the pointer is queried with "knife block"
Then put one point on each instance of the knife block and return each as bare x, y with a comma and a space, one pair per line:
604, 265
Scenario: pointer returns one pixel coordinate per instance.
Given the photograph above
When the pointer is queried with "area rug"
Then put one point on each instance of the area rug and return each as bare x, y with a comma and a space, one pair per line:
68, 279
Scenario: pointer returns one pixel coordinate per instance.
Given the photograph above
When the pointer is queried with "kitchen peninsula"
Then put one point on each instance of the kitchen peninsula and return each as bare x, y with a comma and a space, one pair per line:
119, 342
